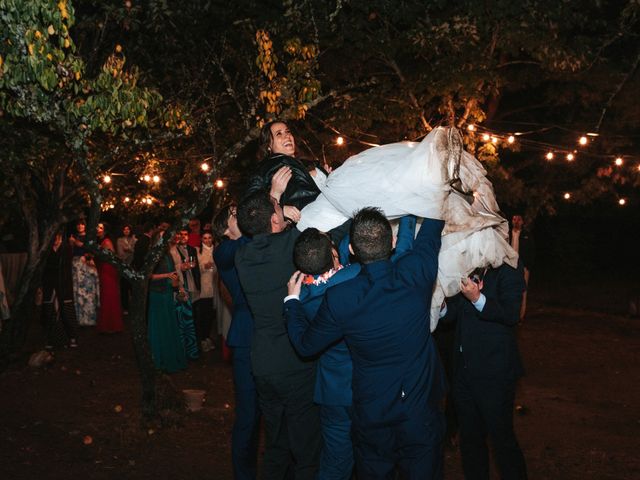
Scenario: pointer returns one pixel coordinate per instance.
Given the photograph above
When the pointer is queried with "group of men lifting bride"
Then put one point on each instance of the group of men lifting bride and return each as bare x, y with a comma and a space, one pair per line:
335, 298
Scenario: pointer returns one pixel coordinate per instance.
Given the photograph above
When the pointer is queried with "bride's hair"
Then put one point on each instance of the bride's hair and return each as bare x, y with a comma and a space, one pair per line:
264, 145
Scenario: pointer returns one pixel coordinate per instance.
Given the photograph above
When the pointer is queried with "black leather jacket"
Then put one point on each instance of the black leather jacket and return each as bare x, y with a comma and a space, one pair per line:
301, 189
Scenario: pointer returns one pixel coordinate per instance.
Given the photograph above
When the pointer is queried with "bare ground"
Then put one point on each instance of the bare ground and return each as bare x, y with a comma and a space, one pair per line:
579, 415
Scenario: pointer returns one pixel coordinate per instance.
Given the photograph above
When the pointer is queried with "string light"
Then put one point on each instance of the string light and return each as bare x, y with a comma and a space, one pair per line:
619, 162
494, 140
204, 167
567, 196
156, 179
622, 202
486, 137
570, 157
219, 183
583, 140
340, 141
471, 127
126, 199
511, 139
147, 178
549, 156
106, 179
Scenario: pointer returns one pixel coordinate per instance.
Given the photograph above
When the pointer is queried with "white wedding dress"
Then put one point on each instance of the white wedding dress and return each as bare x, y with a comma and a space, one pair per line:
415, 178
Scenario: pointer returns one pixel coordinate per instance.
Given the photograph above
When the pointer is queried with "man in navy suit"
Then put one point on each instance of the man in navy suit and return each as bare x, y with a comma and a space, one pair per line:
316, 257
398, 380
486, 367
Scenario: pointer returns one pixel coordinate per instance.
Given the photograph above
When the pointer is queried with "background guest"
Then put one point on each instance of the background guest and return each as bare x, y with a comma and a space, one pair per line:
204, 308
522, 242
125, 246
58, 310
85, 278
110, 311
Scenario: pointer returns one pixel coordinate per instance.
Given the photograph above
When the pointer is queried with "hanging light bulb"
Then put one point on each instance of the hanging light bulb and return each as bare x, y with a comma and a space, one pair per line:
156, 179
567, 196
471, 127
486, 137
570, 157
583, 140
106, 179
549, 156
204, 167
511, 139
622, 202
219, 183
619, 162
126, 199
147, 178
340, 141
494, 140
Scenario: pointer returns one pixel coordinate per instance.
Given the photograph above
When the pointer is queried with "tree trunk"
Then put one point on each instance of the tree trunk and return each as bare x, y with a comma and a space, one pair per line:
138, 320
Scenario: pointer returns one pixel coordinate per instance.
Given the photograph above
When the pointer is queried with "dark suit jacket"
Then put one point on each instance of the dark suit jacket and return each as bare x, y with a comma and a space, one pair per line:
485, 341
241, 328
383, 314
264, 266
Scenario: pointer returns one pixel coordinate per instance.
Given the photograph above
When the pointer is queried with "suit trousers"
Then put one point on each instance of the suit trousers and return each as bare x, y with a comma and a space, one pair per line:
485, 409
414, 446
336, 458
292, 424
244, 439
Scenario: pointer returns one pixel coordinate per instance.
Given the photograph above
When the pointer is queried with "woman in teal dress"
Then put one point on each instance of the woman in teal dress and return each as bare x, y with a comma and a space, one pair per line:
167, 348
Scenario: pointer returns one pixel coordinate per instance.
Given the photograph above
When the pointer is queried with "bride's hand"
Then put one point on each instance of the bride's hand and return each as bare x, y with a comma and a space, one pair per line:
292, 213
279, 182
294, 285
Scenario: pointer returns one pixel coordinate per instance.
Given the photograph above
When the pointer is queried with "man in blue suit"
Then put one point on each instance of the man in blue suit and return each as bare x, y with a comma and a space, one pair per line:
398, 380
244, 439
315, 256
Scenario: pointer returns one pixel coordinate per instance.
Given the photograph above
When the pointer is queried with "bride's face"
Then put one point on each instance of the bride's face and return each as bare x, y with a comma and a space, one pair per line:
281, 140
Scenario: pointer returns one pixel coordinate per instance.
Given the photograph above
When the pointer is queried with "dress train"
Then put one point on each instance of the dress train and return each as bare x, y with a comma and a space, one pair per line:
426, 179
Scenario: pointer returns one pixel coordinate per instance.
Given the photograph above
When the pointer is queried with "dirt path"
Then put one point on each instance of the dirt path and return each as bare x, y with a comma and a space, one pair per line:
580, 399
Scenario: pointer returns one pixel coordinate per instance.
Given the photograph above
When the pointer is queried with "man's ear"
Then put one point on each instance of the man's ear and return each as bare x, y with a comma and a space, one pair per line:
351, 249
275, 223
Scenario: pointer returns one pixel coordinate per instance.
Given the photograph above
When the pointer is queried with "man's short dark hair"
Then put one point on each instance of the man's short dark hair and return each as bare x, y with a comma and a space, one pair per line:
220, 222
371, 236
254, 213
313, 252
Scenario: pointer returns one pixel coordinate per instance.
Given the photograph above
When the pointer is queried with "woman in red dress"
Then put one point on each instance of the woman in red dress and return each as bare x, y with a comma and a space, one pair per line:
110, 311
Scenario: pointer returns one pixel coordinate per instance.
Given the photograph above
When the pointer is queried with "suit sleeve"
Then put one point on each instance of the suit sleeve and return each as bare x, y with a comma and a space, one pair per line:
420, 266
406, 234
338, 233
504, 307
310, 337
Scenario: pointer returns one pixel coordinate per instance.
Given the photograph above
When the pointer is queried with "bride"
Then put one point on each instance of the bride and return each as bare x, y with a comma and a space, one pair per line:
434, 178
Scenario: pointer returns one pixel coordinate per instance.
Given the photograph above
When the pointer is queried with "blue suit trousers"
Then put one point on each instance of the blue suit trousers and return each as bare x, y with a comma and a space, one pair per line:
336, 458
